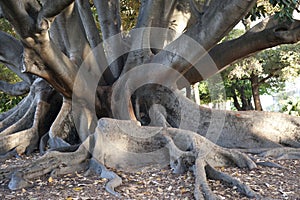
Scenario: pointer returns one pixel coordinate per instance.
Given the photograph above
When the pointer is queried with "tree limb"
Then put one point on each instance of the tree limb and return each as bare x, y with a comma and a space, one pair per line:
14, 89
271, 74
268, 33
11, 55
89, 24
217, 21
51, 8
158, 13
110, 22
73, 34
41, 56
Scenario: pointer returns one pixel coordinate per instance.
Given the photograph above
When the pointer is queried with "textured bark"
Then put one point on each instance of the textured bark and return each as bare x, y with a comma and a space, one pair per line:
16, 89
11, 55
255, 92
21, 129
111, 146
68, 112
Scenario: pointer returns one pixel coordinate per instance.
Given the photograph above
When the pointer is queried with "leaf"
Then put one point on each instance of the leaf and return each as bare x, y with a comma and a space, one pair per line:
77, 189
50, 179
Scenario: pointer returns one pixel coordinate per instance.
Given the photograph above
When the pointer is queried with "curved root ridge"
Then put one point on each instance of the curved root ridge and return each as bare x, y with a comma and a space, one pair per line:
114, 179
186, 150
217, 175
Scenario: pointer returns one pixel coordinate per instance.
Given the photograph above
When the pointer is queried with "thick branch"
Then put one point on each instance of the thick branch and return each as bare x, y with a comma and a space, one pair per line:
157, 13
73, 34
266, 34
89, 24
11, 55
16, 13
110, 22
14, 89
217, 21
42, 57
51, 8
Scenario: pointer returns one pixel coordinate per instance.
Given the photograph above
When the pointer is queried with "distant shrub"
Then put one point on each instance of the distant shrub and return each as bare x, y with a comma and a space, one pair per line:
7, 102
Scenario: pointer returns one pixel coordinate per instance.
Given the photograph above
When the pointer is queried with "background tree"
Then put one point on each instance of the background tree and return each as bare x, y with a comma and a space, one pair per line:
117, 104
263, 73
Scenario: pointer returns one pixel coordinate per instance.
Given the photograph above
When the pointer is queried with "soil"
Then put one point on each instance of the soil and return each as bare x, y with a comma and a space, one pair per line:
271, 183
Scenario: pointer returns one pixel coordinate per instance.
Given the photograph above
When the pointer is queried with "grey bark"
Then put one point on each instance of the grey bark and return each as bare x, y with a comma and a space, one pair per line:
180, 147
88, 22
16, 89
11, 51
110, 22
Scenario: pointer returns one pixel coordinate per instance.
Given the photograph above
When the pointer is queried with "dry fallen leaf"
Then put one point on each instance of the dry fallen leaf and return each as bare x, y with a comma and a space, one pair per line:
50, 179
77, 189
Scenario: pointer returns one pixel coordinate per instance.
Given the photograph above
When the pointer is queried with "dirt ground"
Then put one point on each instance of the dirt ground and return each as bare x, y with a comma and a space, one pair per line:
272, 183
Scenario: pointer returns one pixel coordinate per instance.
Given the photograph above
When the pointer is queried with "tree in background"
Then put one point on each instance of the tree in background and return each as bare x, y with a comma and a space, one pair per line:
263, 73
107, 98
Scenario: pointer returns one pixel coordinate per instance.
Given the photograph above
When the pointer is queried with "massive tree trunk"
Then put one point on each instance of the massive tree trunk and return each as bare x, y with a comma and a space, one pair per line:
132, 78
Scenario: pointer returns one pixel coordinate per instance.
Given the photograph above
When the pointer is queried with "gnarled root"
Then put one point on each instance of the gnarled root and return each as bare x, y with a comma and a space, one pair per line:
21, 133
277, 153
114, 180
63, 127
125, 145
53, 162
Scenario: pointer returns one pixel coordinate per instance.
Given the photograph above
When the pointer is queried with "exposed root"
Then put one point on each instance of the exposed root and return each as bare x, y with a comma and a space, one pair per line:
24, 133
113, 179
277, 153
52, 162
62, 130
14, 109
242, 188
25, 140
269, 164
282, 153
17, 113
202, 190
24, 123
111, 146
179, 160
8, 155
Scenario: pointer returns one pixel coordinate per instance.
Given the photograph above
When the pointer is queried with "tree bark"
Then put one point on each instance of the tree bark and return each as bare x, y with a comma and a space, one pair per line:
255, 92
176, 132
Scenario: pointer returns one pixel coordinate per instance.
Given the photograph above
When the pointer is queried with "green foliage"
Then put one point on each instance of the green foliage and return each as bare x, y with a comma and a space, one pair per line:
7, 27
273, 66
283, 9
129, 13
211, 90
7, 75
291, 106
7, 102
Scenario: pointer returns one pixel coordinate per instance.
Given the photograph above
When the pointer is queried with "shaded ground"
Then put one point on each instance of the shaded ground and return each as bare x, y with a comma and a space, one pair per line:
158, 184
